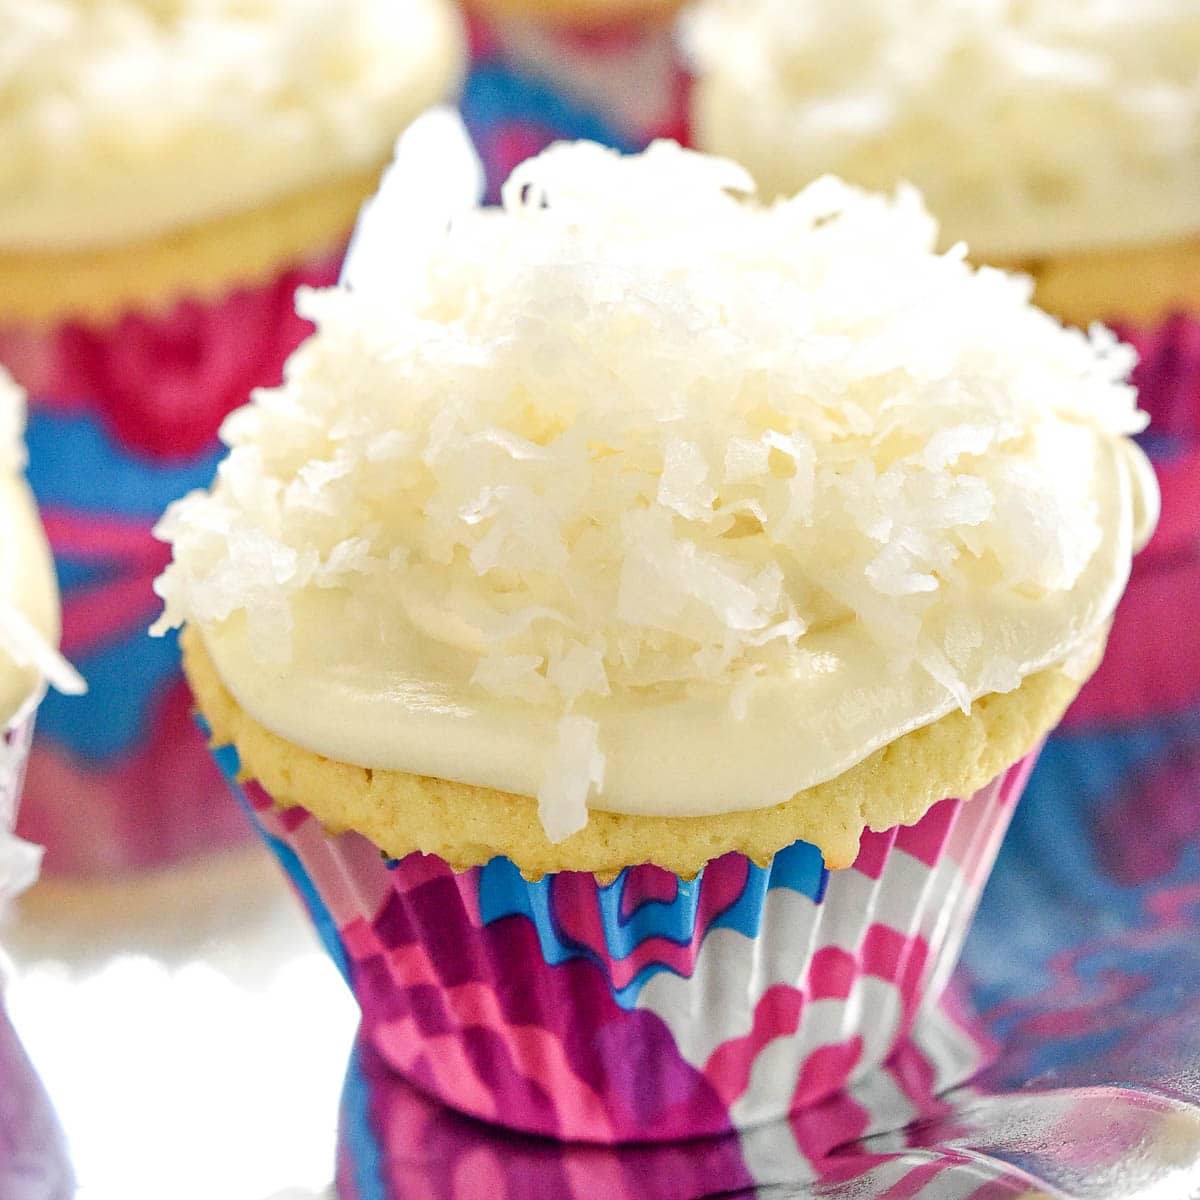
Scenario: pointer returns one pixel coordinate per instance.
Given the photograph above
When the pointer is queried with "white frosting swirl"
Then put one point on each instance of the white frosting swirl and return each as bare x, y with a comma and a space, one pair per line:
1030, 127
638, 494
128, 118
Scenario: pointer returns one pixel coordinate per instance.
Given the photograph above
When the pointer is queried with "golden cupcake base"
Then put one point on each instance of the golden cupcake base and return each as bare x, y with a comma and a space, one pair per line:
467, 826
41, 287
1143, 284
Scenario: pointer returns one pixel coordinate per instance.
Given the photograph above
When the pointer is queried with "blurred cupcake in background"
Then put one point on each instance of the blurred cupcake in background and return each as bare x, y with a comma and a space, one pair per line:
29, 631
633, 620
33, 1156
170, 170
543, 70
1062, 140
33, 1159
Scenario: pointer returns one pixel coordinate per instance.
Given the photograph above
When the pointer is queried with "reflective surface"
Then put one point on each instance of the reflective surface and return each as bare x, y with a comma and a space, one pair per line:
194, 1038
190, 1030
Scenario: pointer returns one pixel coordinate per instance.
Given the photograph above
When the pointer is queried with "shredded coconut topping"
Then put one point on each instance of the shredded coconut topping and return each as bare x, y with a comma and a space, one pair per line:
127, 117
1029, 125
634, 432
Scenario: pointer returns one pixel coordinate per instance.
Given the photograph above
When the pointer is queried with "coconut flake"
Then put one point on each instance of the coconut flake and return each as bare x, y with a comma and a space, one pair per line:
27, 648
401, 223
576, 766
683, 486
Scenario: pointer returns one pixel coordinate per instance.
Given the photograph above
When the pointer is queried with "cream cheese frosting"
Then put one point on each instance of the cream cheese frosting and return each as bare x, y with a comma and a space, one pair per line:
1031, 126
28, 593
128, 119
636, 494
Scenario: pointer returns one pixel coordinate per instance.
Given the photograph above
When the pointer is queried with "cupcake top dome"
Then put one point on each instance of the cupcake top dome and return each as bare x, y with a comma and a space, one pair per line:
1031, 126
28, 594
126, 119
635, 492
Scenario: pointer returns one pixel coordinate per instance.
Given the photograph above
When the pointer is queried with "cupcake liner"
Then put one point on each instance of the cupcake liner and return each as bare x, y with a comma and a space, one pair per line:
1115, 789
33, 1156
395, 1141
533, 82
1152, 665
650, 1008
123, 419
19, 861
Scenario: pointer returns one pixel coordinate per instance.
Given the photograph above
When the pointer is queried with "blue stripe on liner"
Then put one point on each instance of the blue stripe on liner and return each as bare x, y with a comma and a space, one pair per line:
357, 1137
115, 479
1040, 902
503, 893
125, 679
496, 98
496, 95
230, 764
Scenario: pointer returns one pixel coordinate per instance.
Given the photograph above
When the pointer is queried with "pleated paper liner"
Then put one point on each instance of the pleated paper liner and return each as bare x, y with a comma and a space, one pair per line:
33, 1154
651, 1008
1152, 666
536, 80
123, 419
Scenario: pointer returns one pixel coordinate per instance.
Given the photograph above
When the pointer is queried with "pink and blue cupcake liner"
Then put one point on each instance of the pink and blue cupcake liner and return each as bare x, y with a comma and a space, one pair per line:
535, 82
1096, 895
647, 1010
123, 419
34, 1164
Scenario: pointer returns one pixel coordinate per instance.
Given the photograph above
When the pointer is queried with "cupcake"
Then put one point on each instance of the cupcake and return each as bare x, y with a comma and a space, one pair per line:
544, 70
1063, 140
1060, 139
633, 620
169, 172
33, 1159
29, 628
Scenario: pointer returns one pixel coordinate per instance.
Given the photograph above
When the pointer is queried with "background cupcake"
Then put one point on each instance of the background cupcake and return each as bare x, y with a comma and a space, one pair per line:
33, 1161
1063, 140
606, 70
637, 571
169, 172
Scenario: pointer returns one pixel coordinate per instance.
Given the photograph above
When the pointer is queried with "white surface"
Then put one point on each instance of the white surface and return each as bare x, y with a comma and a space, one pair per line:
190, 1030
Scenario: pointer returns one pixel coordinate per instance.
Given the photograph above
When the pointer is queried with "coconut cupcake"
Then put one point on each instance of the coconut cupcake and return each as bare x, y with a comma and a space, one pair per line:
32, 1150
170, 170
602, 612
1060, 139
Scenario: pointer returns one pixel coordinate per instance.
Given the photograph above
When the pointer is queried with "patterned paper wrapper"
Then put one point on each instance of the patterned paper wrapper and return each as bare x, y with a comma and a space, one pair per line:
1115, 791
123, 419
397, 1141
1152, 666
650, 1008
908, 1131
535, 82
33, 1155
1128, 752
